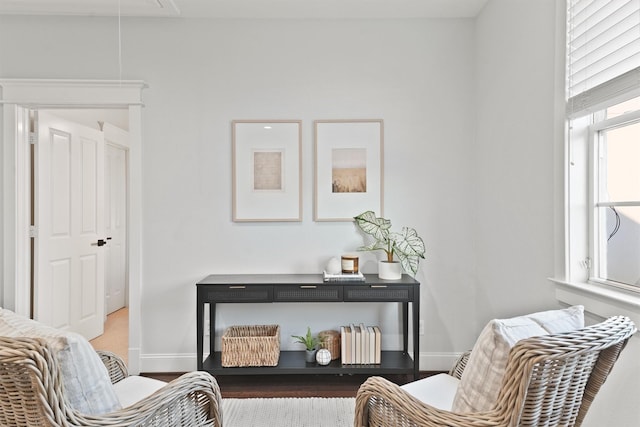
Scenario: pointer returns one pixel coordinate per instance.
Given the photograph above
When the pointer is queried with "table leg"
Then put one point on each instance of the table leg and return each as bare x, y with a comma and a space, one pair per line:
415, 308
212, 329
199, 331
405, 327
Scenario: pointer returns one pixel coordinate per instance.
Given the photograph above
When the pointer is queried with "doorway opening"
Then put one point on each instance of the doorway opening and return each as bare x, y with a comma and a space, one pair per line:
17, 98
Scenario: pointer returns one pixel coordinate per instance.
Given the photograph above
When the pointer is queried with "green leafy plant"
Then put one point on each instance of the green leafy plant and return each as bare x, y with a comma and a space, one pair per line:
407, 246
309, 341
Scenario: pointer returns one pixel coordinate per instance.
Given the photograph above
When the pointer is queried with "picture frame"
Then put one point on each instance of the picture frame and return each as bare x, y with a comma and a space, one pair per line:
266, 170
349, 168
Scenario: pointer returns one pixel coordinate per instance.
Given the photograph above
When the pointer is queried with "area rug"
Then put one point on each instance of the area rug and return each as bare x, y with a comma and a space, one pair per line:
288, 412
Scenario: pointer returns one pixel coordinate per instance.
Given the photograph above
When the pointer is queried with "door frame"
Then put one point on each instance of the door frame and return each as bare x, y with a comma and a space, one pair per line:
119, 144
15, 96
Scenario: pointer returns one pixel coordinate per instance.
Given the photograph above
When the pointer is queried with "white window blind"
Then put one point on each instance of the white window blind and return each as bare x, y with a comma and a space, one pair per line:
603, 53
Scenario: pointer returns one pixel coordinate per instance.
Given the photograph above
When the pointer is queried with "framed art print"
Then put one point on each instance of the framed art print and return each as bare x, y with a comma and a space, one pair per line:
349, 168
267, 171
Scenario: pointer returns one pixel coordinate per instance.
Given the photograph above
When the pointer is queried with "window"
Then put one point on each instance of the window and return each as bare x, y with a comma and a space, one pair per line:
603, 143
615, 185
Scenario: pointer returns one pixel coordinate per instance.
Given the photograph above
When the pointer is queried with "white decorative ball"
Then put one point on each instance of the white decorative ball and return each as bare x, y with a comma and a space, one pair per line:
334, 266
323, 357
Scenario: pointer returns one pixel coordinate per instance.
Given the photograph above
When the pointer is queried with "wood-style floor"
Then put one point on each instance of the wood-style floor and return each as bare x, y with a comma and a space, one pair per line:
116, 334
116, 337
264, 386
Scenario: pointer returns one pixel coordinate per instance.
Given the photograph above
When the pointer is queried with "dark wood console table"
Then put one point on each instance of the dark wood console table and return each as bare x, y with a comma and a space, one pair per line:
301, 288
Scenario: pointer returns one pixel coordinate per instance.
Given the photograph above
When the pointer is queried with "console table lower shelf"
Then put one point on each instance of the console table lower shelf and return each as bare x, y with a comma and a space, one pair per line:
293, 362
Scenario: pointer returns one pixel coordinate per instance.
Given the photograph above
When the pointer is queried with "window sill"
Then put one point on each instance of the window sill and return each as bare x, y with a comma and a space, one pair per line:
601, 300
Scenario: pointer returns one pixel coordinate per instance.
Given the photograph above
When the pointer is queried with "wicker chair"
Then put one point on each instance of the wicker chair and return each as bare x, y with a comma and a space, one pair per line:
31, 393
549, 381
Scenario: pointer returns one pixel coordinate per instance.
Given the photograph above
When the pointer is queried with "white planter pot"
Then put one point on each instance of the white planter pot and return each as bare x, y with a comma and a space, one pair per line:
389, 270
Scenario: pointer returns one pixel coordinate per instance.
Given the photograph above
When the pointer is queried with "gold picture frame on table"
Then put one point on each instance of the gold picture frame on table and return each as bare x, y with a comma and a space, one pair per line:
267, 170
349, 168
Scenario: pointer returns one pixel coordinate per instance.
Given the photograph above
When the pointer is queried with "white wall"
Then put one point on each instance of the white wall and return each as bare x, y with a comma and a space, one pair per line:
513, 156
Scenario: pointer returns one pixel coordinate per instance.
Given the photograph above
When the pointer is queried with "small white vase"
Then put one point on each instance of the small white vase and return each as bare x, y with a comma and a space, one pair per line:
334, 266
389, 270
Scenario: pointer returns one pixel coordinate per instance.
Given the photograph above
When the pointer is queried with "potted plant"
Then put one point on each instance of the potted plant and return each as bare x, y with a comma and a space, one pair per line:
407, 246
310, 342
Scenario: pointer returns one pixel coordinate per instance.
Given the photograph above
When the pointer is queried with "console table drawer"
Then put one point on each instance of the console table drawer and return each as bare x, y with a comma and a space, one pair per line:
241, 293
372, 293
307, 293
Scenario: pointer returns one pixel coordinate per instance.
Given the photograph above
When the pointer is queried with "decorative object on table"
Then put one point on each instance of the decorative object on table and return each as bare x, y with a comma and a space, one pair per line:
349, 167
407, 246
333, 266
340, 277
323, 357
330, 340
361, 345
349, 264
311, 344
251, 345
267, 171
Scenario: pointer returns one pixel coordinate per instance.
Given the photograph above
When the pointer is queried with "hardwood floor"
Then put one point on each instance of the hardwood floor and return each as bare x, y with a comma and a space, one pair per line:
290, 386
116, 334
264, 386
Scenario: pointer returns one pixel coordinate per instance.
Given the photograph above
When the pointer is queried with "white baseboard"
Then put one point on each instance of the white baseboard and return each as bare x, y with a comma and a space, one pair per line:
429, 361
185, 362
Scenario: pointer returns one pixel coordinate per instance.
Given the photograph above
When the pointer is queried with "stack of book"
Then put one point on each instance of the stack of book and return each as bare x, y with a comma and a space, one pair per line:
360, 344
343, 277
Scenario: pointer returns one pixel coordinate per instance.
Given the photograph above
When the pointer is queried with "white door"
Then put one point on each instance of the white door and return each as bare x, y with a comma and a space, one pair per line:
69, 218
116, 225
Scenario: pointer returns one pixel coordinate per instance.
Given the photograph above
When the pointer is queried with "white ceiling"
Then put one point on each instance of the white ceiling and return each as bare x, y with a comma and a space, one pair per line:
248, 8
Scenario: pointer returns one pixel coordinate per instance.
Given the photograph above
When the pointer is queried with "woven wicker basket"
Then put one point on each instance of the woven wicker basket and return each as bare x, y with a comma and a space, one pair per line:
330, 341
251, 345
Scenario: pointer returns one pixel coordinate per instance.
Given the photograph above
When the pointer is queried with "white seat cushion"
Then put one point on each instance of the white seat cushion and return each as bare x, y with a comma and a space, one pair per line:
87, 386
135, 388
482, 378
437, 390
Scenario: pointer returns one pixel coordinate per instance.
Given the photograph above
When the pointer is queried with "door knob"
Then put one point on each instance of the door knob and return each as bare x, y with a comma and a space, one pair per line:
101, 242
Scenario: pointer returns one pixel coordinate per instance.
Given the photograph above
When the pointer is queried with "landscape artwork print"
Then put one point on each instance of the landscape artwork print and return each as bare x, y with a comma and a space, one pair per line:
349, 170
267, 170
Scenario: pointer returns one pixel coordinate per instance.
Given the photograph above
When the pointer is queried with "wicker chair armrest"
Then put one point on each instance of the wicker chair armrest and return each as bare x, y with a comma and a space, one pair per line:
460, 365
381, 402
193, 399
115, 365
